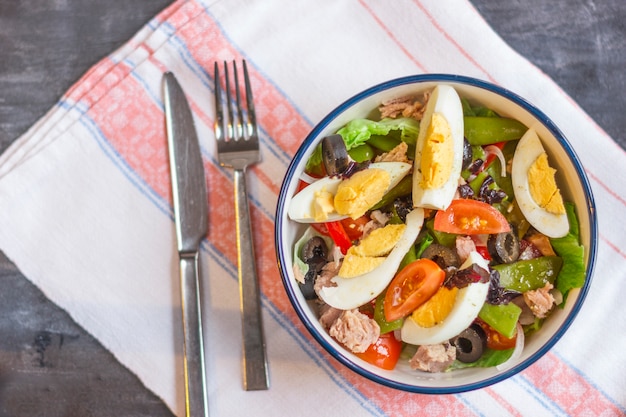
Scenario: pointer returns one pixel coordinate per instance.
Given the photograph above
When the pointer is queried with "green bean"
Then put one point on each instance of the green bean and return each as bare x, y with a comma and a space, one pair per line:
409, 257
379, 316
477, 182
529, 274
443, 238
489, 130
485, 112
502, 317
384, 143
425, 242
361, 153
404, 187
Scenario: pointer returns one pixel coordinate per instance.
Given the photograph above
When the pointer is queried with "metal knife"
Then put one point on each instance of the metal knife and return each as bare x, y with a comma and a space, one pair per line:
189, 192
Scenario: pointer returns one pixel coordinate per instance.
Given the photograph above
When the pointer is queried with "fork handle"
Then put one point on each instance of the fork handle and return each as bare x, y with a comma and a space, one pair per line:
255, 373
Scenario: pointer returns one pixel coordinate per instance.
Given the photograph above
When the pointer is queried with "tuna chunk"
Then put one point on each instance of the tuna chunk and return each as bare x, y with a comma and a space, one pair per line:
433, 358
464, 246
328, 315
540, 301
541, 242
397, 154
355, 330
404, 107
328, 272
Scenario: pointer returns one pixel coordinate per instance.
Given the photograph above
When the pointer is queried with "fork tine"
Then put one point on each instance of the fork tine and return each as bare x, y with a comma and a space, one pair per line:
229, 104
219, 112
252, 128
240, 127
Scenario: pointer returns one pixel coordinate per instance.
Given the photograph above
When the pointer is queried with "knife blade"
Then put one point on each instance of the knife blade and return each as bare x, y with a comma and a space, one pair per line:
189, 193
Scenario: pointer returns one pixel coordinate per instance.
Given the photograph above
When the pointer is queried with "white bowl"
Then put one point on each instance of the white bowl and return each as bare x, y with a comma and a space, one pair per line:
574, 186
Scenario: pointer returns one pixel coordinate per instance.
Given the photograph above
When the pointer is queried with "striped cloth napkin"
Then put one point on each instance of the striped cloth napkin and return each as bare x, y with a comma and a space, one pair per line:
87, 216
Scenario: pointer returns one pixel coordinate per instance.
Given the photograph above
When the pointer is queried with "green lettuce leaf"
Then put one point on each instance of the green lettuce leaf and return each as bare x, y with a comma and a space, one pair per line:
573, 272
358, 131
310, 232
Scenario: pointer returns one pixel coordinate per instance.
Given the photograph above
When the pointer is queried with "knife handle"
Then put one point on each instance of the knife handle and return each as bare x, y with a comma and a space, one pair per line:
195, 376
255, 373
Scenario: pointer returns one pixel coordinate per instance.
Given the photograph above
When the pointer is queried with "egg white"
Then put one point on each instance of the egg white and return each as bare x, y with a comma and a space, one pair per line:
354, 292
467, 305
301, 205
445, 101
527, 151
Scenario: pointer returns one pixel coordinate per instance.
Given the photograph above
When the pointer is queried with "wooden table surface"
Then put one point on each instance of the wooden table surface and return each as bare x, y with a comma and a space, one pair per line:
49, 366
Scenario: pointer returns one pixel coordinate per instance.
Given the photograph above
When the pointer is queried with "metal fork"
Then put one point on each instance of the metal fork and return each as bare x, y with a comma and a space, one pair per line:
237, 148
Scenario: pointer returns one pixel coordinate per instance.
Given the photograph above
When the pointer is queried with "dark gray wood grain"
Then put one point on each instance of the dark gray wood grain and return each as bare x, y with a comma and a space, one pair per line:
49, 366
580, 44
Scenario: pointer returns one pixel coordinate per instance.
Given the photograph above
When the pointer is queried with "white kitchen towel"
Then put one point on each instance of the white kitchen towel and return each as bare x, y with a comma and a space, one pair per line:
86, 214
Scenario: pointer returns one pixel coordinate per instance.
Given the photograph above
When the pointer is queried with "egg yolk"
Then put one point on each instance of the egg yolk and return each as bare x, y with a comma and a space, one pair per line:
380, 241
354, 265
361, 191
437, 153
436, 308
542, 186
371, 251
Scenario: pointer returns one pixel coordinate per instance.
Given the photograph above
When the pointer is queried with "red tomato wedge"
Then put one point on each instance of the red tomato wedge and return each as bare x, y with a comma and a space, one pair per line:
384, 353
344, 231
470, 217
339, 236
484, 252
321, 228
412, 287
495, 340
354, 227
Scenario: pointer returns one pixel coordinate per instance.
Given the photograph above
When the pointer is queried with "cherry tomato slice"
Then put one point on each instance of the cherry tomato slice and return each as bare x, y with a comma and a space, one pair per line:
470, 217
412, 287
384, 353
496, 340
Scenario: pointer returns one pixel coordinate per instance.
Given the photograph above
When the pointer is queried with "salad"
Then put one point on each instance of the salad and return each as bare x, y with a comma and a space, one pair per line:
435, 233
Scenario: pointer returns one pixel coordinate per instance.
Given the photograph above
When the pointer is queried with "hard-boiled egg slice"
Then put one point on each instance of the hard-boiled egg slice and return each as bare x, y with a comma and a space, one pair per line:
353, 292
371, 250
439, 150
315, 203
535, 189
467, 304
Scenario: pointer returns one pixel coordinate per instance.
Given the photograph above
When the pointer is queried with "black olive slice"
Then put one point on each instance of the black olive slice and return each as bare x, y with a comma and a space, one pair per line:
442, 255
315, 248
470, 344
335, 155
315, 254
308, 288
403, 206
504, 247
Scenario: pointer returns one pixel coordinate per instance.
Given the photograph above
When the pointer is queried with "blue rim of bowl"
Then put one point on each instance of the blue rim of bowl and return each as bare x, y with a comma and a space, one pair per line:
437, 78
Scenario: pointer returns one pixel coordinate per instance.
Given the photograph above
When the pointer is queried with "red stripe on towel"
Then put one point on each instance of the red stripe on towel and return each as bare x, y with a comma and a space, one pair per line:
134, 125
568, 389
